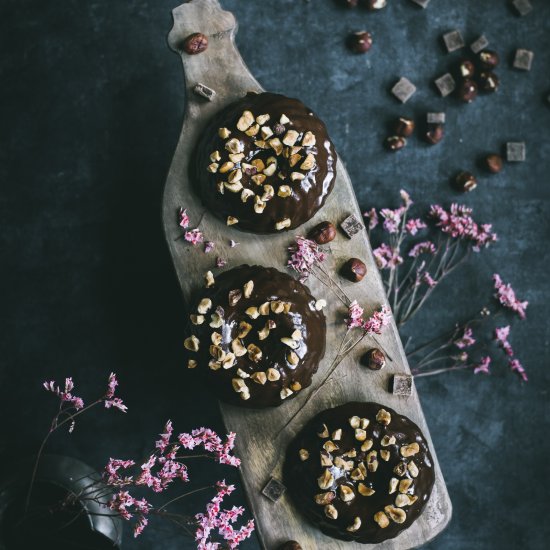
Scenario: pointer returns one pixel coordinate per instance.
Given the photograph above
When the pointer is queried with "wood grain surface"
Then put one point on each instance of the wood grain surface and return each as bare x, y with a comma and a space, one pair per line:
260, 443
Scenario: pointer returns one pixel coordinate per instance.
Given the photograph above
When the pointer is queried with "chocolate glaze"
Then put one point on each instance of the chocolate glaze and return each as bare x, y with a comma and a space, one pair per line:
308, 195
269, 285
300, 477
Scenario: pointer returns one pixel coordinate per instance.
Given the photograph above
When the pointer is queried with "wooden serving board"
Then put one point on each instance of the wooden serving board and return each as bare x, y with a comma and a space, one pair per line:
260, 443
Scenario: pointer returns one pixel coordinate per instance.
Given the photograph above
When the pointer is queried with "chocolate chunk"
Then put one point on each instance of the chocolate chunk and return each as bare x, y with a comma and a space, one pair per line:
402, 384
479, 44
523, 59
273, 489
204, 91
435, 118
515, 151
523, 7
351, 226
453, 41
403, 89
446, 84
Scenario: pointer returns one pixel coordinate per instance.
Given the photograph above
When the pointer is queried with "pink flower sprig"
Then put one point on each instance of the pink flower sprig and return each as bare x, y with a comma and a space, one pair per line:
483, 365
65, 395
466, 340
220, 522
305, 254
506, 296
193, 236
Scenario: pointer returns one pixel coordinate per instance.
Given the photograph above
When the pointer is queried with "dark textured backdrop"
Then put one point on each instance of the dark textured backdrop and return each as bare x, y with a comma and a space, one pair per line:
91, 104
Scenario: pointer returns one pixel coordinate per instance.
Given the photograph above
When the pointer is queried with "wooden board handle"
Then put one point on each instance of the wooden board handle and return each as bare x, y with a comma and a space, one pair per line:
221, 62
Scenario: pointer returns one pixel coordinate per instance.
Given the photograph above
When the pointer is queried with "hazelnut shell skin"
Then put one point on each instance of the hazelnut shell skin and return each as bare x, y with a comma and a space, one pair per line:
493, 163
404, 127
467, 91
323, 233
465, 182
359, 42
354, 270
195, 43
435, 133
395, 143
374, 359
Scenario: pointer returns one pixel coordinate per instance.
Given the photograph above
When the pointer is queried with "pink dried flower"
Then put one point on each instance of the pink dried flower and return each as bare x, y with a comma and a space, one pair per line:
140, 526
183, 218
392, 219
372, 218
305, 254
220, 262
466, 340
507, 297
165, 437
379, 319
65, 395
194, 236
424, 247
501, 337
427, 279
111, 475
407, 201
208, 247
414, 225
483, 366
116, 403
516, 366
111, 386
233, 243
386, 257
355, 315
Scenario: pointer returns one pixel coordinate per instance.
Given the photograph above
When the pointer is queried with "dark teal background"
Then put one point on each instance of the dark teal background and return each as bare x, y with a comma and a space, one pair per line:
91, 105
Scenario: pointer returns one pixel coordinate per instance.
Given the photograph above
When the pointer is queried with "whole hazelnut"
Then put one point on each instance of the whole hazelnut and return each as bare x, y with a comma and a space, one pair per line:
404, 127
360, 41
395, 143
488, 59
435, 133
354, 270
494, 163
375, 4
467, 91
488, 81
323, 233
465, 182
290, 545
374, 359
466, 69
195, 43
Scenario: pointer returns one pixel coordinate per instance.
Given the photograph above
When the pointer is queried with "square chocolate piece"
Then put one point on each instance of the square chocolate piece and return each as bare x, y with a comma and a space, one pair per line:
515, 151
435, 118
523, 60
422, 3
273, 489
351, 226
453, 41
403, 89
402, 384
204, 91
480, 44
446, 84
523, 6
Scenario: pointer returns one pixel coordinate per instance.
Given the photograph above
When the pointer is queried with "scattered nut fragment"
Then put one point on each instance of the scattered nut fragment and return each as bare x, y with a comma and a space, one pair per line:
404, 127
192, 343
359, 42
304, 454
404, 485
393, 485
323, 233
320, 304
252, 312
374, 359
213, 167
284, 119
204, 305
234, 296
242, 374
224, 133
330, 446
381, 519
297, 176
465, 182
192, 364
308, 163
402, 500
254, 352
238, 349
396, 514
323, 431
273, 374
365, 490
388, 440
216, 320
284, 191
360, 434
410, 450
395, 143
365, 423
292, 359
322, 499
435, 133
231, 220
337, 434
285, 392
412, 468
295, 386
346, 493
331, 512
284, 223
259, 377
244, 329
357, 475
246, 120
259, 205
400, 469
367, 445
488, 59
196, 319
238, 384
233, 187
372, 461
385, 455
291, 137
493, 163
383, 416
467, 91
209, 279
293, 344
355, 422
355, 525
229, 360
326, 480
216, 338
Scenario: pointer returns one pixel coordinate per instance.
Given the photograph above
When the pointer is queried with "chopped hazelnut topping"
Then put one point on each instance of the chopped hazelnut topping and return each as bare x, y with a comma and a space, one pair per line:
393, 485
355, 525
246, 120
253, 130
252, 312
367, 445
384, 417
258, 164
209, 279
325, 459
322, 499
234, 296
238, 349
381, 519
267, 132
330, 446
385, 455
216, 338
235, 176
308, 140
216, 320
400, 469
264, 308
283, 224
295, 386
236, 157
331, 512
337, 434
387, 440
215, 156
372, 461
292, 359
213, 167
259, 205
290, 342
402, 500
308, 163
224, 133
244, 329
323, 432
192, 343
233, 187
346, 493
238, 384
273, 374
204, 305
262, 119
355, 422
410, 450
297, 176
276, 145
192, 364
291, 137
269, 192
365, 423
248, 288
231, 220
259, 377
396, 514
357, 475
284, 191
413, 469
197, 319
270, 170
304, 454
226, 166
365, 490
360, 434
284, 119
242, 374
246, 194
294, 159
285, 392
404, 485
254, 352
